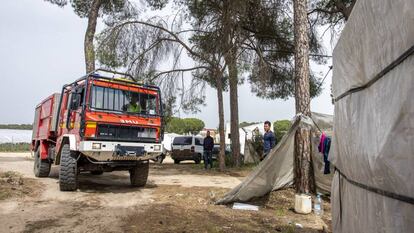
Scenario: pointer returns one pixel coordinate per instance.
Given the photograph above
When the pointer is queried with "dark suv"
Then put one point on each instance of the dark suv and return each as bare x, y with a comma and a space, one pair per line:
216, 151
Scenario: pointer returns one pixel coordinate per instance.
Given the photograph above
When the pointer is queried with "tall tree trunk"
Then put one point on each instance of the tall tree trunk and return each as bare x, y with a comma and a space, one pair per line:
231, 60
89, 36
234, 105
222, 162
303, 179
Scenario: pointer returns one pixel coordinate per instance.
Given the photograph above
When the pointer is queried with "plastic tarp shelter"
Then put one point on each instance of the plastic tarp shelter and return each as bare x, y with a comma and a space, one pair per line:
276, 171
168, 140
373, 143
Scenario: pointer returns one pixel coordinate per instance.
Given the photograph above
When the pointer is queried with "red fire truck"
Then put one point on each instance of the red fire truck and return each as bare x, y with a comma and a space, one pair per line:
99, 123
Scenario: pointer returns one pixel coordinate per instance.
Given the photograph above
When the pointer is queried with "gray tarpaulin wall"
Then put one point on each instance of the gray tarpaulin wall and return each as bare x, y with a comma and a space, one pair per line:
373, 143
276, 170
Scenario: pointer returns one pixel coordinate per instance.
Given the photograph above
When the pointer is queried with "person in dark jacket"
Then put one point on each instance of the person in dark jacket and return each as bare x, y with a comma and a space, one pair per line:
269, 139
208, 149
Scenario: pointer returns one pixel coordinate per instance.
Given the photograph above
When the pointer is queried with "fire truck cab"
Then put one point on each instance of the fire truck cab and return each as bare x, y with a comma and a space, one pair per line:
99, 123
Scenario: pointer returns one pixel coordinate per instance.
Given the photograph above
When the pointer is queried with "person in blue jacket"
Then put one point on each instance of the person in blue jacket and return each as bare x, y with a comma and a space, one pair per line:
269, 139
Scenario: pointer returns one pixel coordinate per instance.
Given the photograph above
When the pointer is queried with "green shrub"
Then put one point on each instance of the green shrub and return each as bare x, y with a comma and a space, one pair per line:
281, 128
15, 147
183, 126
16, 126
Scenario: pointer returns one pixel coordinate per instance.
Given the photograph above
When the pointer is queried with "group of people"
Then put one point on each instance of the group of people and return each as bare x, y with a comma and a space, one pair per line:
269, 141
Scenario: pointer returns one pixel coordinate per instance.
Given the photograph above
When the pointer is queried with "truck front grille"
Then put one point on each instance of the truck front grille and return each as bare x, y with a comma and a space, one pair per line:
126, 133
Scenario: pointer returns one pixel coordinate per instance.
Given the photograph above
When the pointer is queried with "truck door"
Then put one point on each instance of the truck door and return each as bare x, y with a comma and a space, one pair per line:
75, 109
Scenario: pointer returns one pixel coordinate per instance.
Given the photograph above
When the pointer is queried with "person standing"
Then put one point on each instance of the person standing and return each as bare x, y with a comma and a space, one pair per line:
269, 140
208, 145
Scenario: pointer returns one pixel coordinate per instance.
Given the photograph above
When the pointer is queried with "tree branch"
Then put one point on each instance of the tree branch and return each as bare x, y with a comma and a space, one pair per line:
179, 70
172, 34
320, 10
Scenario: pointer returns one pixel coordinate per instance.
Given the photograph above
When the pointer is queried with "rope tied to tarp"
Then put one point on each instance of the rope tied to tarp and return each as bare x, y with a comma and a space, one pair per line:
395, 196
380, 75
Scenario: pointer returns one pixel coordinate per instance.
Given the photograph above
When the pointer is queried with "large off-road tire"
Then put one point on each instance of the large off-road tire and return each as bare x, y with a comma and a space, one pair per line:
68, 173
139, 174
41, 166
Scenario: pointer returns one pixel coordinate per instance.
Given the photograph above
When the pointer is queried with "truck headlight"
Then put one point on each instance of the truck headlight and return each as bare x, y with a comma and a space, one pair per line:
157, 147
96, 146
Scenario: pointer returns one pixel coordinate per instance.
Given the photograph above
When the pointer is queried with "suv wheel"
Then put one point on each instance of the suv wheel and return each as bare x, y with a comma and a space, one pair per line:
68, 172
176, 161
139, 174
41, 167
198, 159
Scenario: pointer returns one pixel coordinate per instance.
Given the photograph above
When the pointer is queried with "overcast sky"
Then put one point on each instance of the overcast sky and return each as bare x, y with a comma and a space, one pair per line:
41, 48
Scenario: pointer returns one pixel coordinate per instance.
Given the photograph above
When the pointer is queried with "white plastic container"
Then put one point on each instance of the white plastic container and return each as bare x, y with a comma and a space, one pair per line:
303, 204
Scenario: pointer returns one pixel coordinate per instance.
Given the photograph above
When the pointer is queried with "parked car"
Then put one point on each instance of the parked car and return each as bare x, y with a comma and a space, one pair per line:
216, 151
187, 148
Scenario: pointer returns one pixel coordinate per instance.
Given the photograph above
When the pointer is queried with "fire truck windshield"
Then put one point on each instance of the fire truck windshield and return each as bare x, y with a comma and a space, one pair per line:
109, 99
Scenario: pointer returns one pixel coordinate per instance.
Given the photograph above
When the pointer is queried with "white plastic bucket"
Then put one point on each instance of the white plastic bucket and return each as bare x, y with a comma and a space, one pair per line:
303, 204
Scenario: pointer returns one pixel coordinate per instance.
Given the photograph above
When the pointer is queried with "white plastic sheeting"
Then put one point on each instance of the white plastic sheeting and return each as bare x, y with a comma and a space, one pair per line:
276, 171
250, 153
373, 143
251, 128
168, 140
15, 136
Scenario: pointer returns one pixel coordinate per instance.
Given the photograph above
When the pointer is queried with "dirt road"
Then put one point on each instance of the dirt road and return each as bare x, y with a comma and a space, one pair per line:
177, 198
97, 206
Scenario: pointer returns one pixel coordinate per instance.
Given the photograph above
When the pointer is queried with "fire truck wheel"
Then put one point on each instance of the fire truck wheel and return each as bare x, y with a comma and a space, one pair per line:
41, 167
68, 174
139, 174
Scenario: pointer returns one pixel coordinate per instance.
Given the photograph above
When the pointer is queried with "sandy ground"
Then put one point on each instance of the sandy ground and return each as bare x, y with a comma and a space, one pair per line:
98, 203
177, 198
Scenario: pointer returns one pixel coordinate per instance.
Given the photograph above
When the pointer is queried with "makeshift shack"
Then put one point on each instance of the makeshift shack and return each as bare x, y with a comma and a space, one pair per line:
373, 143
276, 171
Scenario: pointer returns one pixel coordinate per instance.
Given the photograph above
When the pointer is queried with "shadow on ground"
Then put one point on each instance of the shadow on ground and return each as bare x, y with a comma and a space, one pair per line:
109, 182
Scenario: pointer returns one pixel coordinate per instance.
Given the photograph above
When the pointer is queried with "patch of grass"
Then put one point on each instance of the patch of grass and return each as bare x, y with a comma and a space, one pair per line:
16, 126
15, 147
280, 212
191, 209
10, 174
289, 229
245, 166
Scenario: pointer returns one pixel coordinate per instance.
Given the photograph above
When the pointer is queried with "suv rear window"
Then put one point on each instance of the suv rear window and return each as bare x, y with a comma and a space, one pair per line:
183, 141
199, 141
